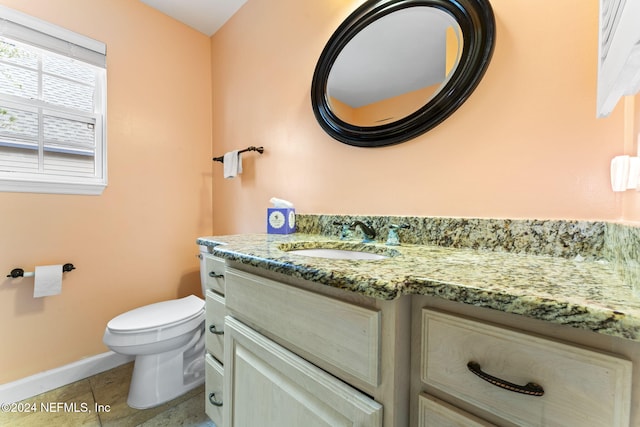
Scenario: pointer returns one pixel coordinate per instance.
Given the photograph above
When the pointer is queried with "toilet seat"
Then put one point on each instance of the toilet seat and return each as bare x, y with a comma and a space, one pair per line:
155, 323
159, 315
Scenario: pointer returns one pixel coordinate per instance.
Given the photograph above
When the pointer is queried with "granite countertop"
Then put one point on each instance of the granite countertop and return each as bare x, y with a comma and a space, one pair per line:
586, 294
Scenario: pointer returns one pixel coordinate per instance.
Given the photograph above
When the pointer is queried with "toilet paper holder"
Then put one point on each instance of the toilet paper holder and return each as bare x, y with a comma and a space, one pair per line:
19, 272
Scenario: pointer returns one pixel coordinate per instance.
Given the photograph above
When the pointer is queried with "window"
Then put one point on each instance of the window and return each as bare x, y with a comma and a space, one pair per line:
52, 108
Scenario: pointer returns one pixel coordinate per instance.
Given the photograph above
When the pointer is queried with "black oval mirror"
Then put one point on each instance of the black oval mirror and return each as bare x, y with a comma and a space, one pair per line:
396, 68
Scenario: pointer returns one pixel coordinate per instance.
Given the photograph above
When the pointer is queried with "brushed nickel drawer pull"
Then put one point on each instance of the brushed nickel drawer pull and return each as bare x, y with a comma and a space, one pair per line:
216, 275
531, 389
215, 331
213, 400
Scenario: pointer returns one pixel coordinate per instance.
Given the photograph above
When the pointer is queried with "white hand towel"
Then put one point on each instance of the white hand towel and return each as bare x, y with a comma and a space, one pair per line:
232, 164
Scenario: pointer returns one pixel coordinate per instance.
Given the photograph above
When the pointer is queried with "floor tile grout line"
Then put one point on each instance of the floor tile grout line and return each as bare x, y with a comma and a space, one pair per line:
93, 395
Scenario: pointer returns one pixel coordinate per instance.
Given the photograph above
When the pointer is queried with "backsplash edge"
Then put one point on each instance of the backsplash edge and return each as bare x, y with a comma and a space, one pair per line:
592, 240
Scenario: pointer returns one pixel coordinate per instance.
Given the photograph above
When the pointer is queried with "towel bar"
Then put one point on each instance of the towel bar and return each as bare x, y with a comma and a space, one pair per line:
258, 149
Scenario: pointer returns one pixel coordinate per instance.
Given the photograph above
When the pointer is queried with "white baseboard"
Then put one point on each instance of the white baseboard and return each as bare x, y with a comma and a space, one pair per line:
48, 380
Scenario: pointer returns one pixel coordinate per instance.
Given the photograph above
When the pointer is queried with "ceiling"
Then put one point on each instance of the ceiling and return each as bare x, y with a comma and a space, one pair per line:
206, 16
360, 76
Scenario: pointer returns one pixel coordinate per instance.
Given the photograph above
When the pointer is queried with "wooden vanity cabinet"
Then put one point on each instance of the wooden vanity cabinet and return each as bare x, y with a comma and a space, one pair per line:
295, 352
300, 353
485, 373
214, 280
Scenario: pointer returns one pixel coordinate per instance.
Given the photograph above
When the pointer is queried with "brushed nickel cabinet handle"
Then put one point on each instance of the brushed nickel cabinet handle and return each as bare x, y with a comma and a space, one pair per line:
532, 389
213, 400
215, 331
215, 275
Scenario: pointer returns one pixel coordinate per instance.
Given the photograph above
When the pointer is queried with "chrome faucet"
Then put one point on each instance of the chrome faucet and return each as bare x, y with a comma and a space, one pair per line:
367, 230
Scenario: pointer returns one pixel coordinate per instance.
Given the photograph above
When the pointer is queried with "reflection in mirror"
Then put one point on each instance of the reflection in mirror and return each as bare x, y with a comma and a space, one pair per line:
394, 66
386, 52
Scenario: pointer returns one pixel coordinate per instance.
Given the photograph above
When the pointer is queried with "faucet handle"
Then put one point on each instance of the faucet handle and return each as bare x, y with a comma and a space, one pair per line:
396, 227
394, 238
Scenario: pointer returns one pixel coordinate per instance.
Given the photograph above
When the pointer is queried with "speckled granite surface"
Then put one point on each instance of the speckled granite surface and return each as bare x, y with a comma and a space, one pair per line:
587, 283
565, 239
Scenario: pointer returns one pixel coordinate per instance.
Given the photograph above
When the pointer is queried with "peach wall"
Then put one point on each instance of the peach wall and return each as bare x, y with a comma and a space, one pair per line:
134, 244
631, 213
525, 145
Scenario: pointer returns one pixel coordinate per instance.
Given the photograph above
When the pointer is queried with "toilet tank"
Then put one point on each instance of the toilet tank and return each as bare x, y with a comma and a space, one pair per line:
204, 250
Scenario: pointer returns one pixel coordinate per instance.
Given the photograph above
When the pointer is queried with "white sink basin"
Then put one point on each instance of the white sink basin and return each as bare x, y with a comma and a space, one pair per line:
338, 254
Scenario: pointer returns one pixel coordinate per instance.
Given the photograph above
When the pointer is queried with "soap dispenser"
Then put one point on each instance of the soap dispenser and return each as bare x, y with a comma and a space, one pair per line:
393, 239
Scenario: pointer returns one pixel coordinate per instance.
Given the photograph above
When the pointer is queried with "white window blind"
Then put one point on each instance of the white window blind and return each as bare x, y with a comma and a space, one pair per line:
52, 108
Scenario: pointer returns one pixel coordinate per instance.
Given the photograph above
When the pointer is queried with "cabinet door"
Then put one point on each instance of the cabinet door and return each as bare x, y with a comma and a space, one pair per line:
267, 385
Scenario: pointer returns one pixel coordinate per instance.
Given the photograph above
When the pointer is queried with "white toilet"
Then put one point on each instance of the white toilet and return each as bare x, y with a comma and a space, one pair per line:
167, 339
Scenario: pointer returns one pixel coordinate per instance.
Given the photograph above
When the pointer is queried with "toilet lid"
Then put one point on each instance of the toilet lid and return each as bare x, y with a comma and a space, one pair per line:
156, 315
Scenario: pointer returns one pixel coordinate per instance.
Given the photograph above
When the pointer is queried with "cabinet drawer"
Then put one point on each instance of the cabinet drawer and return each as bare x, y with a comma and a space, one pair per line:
434, 412
581, 387
213, 274
214, 381
329, 331
214, 331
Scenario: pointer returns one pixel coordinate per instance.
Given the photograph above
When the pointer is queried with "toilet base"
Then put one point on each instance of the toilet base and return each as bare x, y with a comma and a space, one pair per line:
159, 378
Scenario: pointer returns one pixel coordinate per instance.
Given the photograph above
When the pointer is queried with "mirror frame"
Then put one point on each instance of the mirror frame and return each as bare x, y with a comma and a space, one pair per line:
478, 28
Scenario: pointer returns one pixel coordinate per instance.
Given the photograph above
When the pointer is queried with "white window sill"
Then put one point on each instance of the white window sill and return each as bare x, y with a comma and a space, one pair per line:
27, 186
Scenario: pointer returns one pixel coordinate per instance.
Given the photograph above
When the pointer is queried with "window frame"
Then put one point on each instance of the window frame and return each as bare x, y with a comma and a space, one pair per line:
57, 40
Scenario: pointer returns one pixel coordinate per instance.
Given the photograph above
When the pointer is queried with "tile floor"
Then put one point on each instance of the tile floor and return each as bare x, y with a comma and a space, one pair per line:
101, 400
